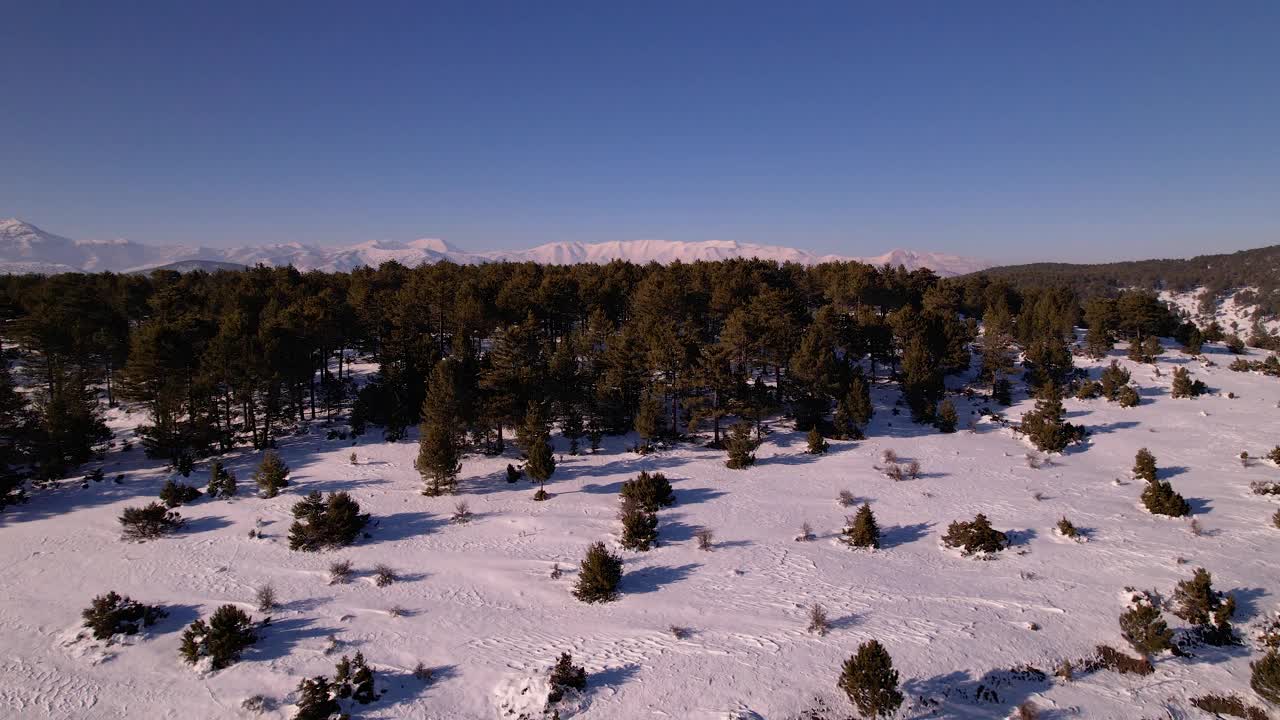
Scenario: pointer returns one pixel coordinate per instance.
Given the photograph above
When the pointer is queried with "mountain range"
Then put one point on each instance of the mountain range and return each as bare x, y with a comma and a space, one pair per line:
25, 248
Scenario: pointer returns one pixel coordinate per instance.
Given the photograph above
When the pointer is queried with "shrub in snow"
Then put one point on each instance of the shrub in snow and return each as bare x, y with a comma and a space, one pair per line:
1066, 529
870, 681
461, 513
266, 597
1144, 465
114, 614
650, 491
222, 484
1088, 390
845, 498
383, 575
271, 475
741, 447
817, 443
1231, 705
1112, 659
975, 536
1144, 627
862, 530
173, 494
599, 575
340, 572
639, 527
1265, 679
1209, 610
222, 640
1046, 427
945, 418
1128, 397
353, 679
1274, 455
1275, 519
317, 700
1184, 386
818, 622
565, 676
325, 523
806, 532
423, 673
1114, 379
1160, 499
705, 536
513, 474
152, 521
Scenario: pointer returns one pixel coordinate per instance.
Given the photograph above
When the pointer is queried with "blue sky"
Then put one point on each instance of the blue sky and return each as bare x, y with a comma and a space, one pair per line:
1016, 131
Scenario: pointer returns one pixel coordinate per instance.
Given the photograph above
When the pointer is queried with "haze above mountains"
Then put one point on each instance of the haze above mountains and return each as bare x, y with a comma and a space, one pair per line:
25, 248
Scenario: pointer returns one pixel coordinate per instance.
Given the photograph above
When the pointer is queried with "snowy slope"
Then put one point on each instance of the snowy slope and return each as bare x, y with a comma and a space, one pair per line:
484, 611
32, 247
1232, 316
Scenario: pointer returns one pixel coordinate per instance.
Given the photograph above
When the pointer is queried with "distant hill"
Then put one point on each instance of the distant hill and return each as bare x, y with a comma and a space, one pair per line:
1254, 275
26, 248
185, 266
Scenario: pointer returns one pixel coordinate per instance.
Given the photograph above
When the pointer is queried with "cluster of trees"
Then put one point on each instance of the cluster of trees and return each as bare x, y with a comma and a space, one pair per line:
473, 352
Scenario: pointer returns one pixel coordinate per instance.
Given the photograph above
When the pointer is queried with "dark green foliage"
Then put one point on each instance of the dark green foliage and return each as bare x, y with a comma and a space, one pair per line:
975, 536
862, 530
513, 474
639, 526
1145, 629
440, 437
1265, 678
16, 428
1128, 397
598, 576
1112, 659
945, 418
1184, 386
1088, 390
271, 475
566, 676
1144, 465
317, 700
870, 681
1048, 362
540, 463
853, 409
1146, 350
1198, 603
1114, 379
1232, 705
1002, 391
1046, 427
326, 523
817, 445
1067, 529
222, 483
223, 639
353, 679
1160, 499
173, 493
152, 521
741, 446
114, 614
648, 421
651, 491
1274, 455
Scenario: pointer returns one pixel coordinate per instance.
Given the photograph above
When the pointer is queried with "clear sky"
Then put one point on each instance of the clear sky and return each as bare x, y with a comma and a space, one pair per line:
1015, 131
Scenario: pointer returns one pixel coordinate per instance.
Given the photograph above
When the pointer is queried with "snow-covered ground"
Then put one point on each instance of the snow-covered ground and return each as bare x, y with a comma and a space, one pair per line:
485, 613
1232, 316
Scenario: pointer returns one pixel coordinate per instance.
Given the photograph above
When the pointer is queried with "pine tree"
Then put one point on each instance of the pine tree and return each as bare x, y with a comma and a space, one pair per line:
921, 379
353, 679
1144, 465
648, 421
862, 530
565, 676
1184, 386
325, 523
1199, 604
598, 576
152, 521
1114, 379
16, 427
652, 491
1265, 678
1160, 499
639, 526
316, 700
1045, 426
174, 493
223, 639
945, 418
1145, 629
572, 425
1002, 391
439, 439
817, 444
271, 475
115, 614
741, 447
870, 681
853, 410
222, 483
1128, 397
975, 536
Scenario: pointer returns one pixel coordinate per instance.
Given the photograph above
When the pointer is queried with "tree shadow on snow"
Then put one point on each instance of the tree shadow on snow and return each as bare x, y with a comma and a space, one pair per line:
1199, 506
614, 677
1246, 602
693, 496
402, 526
1168, 472
653, 579
205, 524
278, 639
1107, 428
956, 694
404, 687
896, 535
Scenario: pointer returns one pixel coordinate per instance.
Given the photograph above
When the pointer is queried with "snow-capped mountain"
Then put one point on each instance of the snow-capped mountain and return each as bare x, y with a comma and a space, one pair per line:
27, 248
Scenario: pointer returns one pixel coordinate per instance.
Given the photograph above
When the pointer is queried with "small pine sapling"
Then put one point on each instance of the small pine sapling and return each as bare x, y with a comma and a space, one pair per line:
870, 681
862, 530
599, 575
818, 622
565, 676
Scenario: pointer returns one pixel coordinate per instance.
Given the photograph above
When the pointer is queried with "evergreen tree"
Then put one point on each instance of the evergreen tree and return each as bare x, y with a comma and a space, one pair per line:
114, 614
921, 379
862, 530
639, 526
1184, 386
1144, 465
222, 483
975, 536
353, 679
1128, 397
1198, 603
1046, 427
16, 426
651, 491
1114, 379
316, 701
223, 639
572, 425
853, 410
272, 475
1194, 342
1145, 629
817, 444
1265, 678
1160, 499
439, 440
1002, 391
565, 676
741, 447
598, 576
326, 522
174, 493
870, 681
1048, 361
152, 521
648, 421
945, 418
